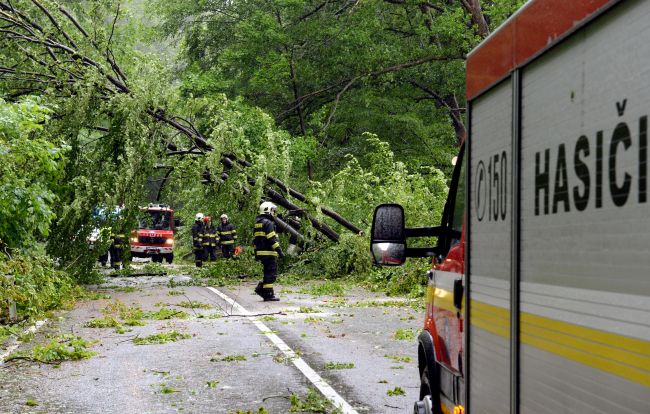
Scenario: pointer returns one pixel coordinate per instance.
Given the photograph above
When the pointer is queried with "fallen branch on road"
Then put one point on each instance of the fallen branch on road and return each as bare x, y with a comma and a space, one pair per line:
254, 314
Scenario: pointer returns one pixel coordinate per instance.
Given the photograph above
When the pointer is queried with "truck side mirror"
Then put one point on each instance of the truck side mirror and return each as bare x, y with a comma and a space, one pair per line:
177, 222
458, 293
388, 236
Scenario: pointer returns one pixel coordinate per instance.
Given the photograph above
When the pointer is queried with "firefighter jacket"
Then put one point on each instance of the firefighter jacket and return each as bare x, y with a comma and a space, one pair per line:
210, 238
227, 234
197, 235
265, 238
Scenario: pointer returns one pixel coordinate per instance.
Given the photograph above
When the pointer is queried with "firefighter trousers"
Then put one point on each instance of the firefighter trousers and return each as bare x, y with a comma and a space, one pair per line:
198, 256
210, 253
226, 250
270, 269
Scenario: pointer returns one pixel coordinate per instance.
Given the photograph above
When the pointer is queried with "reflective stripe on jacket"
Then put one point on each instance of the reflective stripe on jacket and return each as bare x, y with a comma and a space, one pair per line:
227, 234
265, 238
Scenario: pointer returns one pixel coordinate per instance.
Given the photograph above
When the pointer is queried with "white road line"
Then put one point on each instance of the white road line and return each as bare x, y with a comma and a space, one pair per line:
300, 363
12, 347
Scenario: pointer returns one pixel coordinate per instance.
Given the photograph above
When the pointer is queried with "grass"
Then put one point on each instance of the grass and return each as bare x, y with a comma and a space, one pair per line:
339, 365
161, 338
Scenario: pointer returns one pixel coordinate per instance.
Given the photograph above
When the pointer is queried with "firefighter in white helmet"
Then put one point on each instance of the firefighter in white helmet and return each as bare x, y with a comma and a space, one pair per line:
267, 249
197, 239
227, 236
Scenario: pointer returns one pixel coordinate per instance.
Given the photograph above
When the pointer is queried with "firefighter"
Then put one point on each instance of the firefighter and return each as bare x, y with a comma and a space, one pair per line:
118, 241
197, 239
227, 236
210, 239
267, 249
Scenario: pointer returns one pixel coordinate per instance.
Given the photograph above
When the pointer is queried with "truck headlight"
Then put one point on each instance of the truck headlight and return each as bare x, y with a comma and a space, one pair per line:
134, 239
169, 241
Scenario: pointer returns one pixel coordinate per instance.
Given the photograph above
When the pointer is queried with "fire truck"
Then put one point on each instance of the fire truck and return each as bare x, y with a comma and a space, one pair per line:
154, 237
539, 292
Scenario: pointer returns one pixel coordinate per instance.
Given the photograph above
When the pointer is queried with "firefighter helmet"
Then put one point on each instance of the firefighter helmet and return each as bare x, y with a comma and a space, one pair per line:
268, 208
224, 216
198, 217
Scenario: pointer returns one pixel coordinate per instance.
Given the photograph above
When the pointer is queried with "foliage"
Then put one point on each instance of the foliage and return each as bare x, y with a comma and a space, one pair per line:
339, 365
62, 348
161, 338
314, 402
194, 305
30, 169
397, 391
404, 335
34, 283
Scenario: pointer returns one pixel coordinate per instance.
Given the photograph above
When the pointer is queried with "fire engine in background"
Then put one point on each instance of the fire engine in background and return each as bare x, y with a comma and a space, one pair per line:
539, 295
154, 237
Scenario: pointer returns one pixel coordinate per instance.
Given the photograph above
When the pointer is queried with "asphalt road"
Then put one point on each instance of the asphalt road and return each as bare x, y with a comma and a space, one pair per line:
227, 364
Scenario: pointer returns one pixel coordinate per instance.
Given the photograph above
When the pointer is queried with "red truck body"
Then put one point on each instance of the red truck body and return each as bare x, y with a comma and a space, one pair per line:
154, 237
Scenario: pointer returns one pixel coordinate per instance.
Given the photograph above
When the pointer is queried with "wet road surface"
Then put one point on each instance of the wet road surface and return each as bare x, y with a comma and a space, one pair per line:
226, 364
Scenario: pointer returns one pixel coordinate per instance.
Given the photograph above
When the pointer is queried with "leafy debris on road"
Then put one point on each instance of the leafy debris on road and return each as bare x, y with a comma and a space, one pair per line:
164, 389
166, 313
314, 402
404, 335
339, 365
227, 358
397, 358
176, 292
193, 304
212, 384
61, 348
307, 309
327, 288
161, 338
397, 391
31, 403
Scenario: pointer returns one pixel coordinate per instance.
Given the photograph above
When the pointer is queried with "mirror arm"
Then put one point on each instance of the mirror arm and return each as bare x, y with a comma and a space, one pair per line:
424, 231
421, 251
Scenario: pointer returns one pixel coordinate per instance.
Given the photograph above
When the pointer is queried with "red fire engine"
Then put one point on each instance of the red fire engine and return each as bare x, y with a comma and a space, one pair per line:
154, 237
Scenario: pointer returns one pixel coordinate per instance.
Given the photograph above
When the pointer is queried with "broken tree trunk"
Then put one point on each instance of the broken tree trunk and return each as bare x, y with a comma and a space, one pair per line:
295, 194
283, 226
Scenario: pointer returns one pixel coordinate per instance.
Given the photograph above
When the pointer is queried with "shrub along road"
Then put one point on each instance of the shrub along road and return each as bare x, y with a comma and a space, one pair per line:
150, 347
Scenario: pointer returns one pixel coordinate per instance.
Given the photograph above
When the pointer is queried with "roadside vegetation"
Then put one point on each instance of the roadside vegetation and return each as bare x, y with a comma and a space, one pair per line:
351, 104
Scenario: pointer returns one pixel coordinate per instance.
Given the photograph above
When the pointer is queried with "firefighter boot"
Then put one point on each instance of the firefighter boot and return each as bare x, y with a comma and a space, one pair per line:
258, 289
269, 295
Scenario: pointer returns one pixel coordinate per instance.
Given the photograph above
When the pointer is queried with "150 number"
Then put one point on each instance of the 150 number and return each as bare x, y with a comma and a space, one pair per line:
491, 188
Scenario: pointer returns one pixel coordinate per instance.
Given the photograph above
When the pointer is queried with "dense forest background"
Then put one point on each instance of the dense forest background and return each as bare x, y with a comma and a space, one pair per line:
103, 103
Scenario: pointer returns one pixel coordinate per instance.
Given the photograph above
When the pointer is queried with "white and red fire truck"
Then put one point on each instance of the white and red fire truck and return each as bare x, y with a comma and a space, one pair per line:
539, 295
154, 237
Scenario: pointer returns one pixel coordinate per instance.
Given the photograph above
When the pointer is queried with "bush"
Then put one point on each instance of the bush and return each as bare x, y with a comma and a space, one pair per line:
34, 283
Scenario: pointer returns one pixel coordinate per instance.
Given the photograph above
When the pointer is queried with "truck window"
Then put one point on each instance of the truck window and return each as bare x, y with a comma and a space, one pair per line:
158, 220
459, 202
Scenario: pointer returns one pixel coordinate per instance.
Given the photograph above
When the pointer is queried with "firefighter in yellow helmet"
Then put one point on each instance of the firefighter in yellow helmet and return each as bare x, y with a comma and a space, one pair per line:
197, 239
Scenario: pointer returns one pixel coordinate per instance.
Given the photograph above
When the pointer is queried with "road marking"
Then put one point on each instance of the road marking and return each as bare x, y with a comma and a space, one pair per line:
300, 363
12, 347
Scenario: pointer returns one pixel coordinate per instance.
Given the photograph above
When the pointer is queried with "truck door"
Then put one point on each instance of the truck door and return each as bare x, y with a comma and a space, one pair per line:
490, 238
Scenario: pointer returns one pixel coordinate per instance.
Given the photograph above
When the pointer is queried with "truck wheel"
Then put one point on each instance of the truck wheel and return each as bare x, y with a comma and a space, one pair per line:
156, 259
426, 389
169, 257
